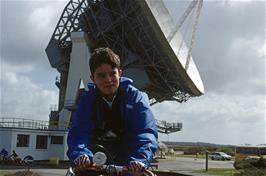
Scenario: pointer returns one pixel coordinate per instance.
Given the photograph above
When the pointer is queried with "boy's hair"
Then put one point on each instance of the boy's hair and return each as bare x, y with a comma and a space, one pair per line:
103, 55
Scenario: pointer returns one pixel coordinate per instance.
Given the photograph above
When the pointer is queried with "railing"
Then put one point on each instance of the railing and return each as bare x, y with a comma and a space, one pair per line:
166, 127
9, 122
23, 123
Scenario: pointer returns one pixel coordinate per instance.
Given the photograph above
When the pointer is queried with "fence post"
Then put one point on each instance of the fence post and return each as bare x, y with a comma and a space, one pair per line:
207, 158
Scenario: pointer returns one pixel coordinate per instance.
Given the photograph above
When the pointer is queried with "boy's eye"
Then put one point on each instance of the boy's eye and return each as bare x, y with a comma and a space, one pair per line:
101, 75
113, 73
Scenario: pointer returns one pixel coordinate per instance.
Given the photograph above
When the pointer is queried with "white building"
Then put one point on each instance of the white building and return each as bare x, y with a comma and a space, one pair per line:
31, 137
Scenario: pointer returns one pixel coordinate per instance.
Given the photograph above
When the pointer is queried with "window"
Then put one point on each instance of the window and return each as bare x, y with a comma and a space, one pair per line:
41, 142
57, 139
23, 140
263, 151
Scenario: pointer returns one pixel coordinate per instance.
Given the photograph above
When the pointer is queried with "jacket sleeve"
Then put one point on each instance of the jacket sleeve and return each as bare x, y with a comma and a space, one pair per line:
79, 135
143, 125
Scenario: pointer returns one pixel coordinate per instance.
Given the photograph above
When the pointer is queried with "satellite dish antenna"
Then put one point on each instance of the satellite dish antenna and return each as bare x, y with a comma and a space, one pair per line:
143, 33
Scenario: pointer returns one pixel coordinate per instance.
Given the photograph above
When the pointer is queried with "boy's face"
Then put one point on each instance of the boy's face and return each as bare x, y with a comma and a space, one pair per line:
106, 79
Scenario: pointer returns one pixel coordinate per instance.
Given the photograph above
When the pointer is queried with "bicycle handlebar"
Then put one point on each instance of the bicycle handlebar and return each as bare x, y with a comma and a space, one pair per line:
99, 167
98, 170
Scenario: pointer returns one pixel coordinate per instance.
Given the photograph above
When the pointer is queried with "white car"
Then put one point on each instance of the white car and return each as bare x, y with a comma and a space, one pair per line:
219, 156
252, 158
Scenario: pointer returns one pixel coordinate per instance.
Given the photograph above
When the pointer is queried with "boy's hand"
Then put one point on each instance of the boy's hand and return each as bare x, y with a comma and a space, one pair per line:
82, 161
136, 168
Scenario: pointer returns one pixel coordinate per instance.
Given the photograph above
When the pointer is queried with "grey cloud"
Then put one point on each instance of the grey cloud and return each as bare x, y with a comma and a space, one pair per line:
21, 43
22, 98
217, 118
220, 133
220, 65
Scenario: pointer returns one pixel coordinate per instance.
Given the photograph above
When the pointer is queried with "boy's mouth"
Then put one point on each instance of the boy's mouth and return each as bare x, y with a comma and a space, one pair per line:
109, 86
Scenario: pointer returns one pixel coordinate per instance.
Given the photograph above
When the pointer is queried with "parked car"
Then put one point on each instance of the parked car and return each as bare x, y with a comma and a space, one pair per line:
219, 156
252, 158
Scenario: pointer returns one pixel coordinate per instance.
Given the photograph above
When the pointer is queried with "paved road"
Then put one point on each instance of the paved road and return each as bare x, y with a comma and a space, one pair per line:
188, 165
180, 165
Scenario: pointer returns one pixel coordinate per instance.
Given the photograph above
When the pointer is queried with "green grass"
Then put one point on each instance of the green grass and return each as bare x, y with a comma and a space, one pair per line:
219, 171
3, 173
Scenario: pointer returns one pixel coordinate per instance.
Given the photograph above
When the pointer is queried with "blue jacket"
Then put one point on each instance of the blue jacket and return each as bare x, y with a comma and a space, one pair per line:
140, 126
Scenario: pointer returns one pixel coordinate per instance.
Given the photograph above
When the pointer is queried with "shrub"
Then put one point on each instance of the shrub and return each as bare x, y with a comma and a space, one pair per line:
251, 172
243, 164
261, 163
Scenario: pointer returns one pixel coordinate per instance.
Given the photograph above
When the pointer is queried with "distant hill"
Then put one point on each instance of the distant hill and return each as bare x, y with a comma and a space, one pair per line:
172, 143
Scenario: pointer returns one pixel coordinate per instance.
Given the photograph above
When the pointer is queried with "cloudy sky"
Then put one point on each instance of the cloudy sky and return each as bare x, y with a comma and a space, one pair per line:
229, 52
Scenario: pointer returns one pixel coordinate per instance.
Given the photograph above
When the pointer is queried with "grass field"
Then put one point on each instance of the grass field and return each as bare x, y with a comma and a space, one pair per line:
219, 171
3, 173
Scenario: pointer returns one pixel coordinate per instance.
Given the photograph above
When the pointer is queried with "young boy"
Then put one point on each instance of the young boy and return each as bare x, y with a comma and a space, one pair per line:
114, 114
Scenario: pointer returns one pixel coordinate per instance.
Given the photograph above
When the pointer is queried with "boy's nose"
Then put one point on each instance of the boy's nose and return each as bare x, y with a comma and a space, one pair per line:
108, 78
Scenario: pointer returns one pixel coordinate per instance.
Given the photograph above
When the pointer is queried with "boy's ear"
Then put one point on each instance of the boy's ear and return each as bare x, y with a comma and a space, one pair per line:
120, 72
